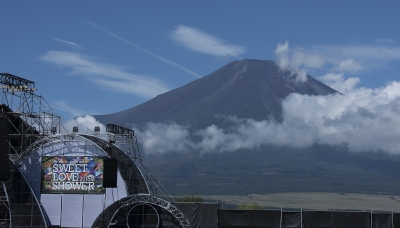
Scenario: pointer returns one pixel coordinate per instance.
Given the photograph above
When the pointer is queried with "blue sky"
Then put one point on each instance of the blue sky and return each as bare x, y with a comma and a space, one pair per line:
100, 57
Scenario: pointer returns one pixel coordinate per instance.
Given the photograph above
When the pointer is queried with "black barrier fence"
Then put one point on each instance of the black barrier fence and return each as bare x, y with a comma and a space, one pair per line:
336, 219
200, 214
306, 219
206, 215
291, 220
246, 218
396, 219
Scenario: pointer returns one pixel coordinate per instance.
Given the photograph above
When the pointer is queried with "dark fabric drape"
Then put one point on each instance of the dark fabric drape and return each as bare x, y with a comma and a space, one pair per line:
382, 221
200, 215
248, 218
291, 220
322, 219
396, 219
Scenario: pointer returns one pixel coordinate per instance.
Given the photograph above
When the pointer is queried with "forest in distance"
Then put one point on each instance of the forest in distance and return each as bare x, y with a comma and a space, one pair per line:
277, 170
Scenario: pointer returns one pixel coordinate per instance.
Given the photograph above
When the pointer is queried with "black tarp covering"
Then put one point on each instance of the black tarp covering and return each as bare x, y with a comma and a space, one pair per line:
381, 220
322, 219
248, 219
396, 219
291, 220
200, 215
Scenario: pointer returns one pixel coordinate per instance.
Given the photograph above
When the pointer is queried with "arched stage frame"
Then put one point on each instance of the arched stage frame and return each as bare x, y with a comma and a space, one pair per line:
32, 129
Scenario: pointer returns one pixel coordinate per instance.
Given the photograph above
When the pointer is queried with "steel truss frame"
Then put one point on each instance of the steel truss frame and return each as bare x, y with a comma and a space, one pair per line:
5, 212
132, 175
125, 148
34, 127
29, 119
125, 204
28, 114
183, 221
43, 145
24, 208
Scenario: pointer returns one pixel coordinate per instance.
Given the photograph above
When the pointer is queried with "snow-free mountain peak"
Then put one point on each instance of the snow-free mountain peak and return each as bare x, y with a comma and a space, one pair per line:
248, 88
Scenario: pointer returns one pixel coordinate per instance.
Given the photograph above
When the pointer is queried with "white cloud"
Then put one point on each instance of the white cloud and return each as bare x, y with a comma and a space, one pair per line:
282, 53
363, 119
85, 125
68, 43
61, 105
285, 63
336, 59
170, 62
159, 138
199, 41
360, 53
112, 76
311, 60
338, 83
385, 41
349, 65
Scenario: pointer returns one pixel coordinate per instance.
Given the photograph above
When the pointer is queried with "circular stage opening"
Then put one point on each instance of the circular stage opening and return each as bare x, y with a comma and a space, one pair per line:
143, 216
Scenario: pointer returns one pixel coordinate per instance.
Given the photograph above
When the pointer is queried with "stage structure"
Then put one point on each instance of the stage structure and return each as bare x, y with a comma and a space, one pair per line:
52, 178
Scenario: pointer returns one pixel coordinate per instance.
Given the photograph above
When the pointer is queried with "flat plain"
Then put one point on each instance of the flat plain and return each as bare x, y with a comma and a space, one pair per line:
315, 201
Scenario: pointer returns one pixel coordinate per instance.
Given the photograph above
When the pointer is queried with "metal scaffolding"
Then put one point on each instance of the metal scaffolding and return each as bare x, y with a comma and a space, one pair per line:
29, 119
32, 127
29, 115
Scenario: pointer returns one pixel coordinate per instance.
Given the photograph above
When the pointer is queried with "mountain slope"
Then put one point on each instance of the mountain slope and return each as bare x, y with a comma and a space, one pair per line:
245, 89
253, 89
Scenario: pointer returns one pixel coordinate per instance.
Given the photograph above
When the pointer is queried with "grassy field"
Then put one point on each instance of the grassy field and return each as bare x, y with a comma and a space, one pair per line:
315, 201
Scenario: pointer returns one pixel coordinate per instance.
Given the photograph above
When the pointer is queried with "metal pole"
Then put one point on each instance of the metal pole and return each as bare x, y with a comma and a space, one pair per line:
301, 217
371, 218
83, 208
61, 209
392, 220
8, 204
280, 224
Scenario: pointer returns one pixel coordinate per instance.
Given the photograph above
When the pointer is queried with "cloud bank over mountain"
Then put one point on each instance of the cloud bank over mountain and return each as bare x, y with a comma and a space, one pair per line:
363, 119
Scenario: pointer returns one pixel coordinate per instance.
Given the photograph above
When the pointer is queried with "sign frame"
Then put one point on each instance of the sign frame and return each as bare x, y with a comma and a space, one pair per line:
72, 175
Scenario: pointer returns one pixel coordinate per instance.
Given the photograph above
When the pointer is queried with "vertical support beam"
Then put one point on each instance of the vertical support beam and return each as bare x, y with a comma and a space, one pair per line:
371, 218
83, 208
301, 217
392, 220
61, 211
8, 203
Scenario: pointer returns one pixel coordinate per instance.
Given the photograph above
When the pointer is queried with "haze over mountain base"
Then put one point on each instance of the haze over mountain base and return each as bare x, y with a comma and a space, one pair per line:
277, 169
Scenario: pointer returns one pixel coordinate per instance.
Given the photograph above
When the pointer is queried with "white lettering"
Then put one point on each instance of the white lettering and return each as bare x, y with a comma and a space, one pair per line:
91, 185
76, 185
63, 168
61, 185
54, 176
68, 185
61, 177
73, 186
